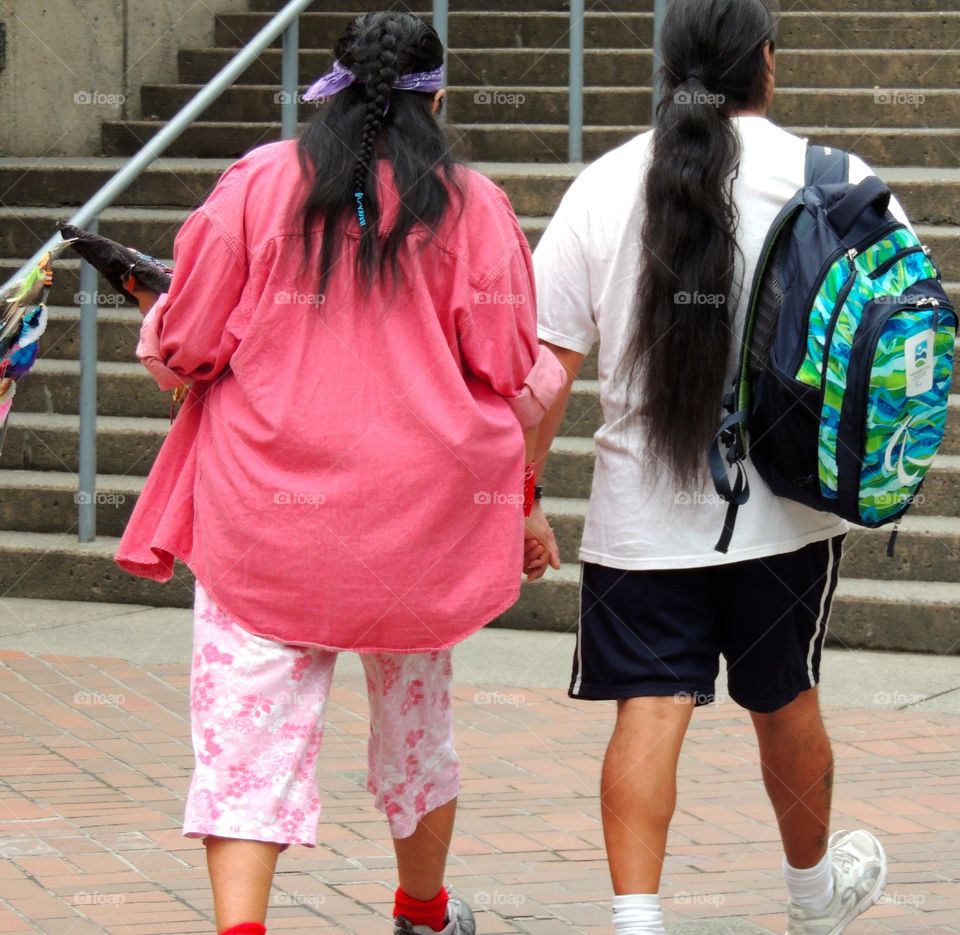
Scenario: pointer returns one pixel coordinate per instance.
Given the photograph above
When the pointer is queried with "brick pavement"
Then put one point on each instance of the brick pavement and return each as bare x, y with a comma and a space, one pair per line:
96, 757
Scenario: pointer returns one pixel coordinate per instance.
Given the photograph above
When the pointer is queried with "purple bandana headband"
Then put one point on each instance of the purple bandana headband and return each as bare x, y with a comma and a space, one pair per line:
340, 77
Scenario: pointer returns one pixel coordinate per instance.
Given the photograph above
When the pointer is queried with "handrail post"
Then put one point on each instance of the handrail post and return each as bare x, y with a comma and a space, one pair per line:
289, 76
441, 22
656, 85
87, 493
575, 144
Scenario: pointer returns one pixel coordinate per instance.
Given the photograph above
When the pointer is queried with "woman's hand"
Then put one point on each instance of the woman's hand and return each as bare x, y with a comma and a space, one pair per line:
540, 545
144, 296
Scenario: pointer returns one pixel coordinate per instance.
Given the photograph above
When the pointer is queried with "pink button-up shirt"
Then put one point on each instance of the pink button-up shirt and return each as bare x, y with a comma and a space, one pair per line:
346, 470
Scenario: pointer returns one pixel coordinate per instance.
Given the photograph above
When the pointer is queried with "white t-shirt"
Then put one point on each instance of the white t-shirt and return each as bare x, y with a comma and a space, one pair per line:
586, 271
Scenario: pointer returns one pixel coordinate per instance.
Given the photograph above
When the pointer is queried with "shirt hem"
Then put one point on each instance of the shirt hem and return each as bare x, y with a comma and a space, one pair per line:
716, 558
335, 648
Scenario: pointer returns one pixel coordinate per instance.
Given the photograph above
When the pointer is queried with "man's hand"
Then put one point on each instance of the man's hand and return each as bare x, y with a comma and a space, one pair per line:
540, 545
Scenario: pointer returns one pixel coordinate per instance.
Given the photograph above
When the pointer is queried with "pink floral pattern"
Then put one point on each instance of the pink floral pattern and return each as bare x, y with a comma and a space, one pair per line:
257, 721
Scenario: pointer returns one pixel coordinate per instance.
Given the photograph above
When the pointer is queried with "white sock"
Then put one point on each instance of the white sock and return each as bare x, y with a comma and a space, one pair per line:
638, 914
811, 888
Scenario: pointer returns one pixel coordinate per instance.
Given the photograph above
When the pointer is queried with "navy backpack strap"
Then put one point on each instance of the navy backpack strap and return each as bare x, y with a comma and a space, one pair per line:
737, 492
826, 166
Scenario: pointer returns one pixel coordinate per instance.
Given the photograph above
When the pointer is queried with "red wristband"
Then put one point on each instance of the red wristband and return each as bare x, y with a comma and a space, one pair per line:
529, 489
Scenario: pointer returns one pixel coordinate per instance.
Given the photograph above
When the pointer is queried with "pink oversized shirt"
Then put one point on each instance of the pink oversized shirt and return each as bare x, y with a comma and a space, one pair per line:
346, 471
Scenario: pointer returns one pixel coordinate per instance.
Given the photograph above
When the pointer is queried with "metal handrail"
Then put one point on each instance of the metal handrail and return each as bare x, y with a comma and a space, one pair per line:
286, 22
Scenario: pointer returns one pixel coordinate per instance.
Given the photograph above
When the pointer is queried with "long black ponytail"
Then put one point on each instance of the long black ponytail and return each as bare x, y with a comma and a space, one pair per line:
677, 356
369, 120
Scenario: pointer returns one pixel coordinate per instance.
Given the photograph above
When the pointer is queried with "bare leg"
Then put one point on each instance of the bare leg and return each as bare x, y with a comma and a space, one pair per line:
422, 857
638, 789
797, 765
241, 873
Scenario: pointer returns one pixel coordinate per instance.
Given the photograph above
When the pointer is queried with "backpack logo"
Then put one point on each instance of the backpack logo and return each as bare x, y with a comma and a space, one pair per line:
906, 479
919, 363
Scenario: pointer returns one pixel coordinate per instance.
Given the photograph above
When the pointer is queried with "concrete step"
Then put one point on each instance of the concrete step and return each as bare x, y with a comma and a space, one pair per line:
559, 6
603, 105
930, 195
627, 30
585, 415
927, 547
150, 230
46, 565
118, 330
615, 67
46, 442
569, 473
71, 180
907, 616
123, 389
47, 501
544, 143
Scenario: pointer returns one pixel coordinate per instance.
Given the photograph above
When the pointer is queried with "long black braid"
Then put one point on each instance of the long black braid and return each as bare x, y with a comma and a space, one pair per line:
371, 121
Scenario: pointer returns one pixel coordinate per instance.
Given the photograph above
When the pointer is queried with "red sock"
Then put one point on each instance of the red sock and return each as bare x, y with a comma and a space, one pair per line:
246, 928
432, 912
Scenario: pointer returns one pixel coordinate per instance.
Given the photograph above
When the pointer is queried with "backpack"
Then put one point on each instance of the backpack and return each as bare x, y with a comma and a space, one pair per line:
846, 358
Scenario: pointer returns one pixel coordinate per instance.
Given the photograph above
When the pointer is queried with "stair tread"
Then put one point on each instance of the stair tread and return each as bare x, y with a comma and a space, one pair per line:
46, 420
876, 589
912, 523
65, 481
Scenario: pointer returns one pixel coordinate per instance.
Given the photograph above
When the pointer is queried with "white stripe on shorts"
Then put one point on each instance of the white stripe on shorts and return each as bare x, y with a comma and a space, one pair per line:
822, 619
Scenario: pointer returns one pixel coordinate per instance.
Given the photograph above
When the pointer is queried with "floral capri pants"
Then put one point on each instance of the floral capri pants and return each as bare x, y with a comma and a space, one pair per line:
257, 709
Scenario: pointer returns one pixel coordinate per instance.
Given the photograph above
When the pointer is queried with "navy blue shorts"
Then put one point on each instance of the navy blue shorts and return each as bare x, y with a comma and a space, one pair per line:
663, 632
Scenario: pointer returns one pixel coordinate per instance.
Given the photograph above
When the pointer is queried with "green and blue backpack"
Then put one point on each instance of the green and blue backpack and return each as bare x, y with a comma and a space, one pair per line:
846, 357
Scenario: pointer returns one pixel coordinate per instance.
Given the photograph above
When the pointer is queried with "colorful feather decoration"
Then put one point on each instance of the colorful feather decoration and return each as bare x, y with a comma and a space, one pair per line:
23, 320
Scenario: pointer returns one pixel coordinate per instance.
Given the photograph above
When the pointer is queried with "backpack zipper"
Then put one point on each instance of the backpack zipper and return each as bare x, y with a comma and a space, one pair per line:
901, 254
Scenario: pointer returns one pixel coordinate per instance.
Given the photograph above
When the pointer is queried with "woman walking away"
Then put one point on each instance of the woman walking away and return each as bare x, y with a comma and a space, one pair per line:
354, 313
652, 254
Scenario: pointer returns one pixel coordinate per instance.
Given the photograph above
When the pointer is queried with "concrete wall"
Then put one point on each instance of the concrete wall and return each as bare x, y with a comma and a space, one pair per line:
73, 63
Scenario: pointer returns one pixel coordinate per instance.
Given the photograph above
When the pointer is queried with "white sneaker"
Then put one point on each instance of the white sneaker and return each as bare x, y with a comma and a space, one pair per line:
460, 921
860, 874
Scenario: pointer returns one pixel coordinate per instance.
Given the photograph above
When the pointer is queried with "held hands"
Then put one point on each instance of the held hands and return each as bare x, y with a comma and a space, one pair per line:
540, 545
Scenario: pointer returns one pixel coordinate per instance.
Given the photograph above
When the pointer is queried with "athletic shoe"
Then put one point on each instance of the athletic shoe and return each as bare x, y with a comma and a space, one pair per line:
860, 874
460, 921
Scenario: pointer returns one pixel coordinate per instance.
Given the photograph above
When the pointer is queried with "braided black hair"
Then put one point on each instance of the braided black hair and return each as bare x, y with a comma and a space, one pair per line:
371, 120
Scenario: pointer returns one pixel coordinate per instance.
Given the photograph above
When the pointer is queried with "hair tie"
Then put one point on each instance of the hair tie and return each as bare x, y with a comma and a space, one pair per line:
361, 213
